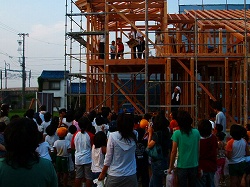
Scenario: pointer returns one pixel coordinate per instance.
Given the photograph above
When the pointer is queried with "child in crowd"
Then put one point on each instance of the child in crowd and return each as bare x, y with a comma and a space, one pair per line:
47, 120
51, 137
78, 114
173, 123
112, 50
236, 150
71, 131
98, 153
43, 149
68, 119
221, 157
120, 48
62, 116
82, 142
112, 124
2, 144
62, 150
100, 124
142, 169
212, 117
208, 154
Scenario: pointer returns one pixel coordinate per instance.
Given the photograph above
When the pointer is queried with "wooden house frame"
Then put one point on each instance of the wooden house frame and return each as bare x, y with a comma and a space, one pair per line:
205, 52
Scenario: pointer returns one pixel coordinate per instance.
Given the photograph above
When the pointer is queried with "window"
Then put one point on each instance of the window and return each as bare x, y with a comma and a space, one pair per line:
55, 85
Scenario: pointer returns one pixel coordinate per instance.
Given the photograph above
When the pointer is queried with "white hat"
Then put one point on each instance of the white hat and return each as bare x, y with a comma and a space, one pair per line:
178, 88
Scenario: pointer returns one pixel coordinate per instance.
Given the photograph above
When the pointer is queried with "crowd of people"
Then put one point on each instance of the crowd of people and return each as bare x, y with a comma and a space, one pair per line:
92, 148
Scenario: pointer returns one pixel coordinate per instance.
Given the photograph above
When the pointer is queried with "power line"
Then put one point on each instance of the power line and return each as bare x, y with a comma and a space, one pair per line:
8, 28
50, 43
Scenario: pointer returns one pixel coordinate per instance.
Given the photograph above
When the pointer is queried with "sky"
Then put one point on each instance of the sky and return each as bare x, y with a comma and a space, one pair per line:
44, 22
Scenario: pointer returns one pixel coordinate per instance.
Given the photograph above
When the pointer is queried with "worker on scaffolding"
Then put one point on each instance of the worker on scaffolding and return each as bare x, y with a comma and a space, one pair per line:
176, 99
135, 35
159, 39
101, 46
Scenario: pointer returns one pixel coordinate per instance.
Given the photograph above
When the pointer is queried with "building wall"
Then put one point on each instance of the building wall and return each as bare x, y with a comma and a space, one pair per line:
59, 92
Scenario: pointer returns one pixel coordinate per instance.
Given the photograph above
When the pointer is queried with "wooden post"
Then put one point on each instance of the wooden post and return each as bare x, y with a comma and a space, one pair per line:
168, 84
227, 94
192, 87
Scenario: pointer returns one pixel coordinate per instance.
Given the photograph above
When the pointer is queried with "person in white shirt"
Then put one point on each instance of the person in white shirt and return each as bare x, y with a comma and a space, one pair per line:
220, 116
212, 117
98, 153
42, 112
82, 143
134, 34
159, 39
62, 149
43, 149
46, 122
120, 161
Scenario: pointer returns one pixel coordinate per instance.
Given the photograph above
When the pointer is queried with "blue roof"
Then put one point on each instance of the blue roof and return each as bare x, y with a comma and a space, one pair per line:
48, 74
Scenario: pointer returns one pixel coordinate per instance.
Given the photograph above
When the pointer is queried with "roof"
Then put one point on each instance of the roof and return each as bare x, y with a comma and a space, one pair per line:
234, 21
49, 74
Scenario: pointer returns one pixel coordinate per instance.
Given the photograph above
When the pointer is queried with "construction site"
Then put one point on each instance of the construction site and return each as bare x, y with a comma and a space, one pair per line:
204, 52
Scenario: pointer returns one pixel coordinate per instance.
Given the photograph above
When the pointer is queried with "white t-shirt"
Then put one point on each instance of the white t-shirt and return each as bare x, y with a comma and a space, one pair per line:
43, 150
62, 147
82, 148
221, 119
97, 159
69, 136
66, 122
51, 140
44, 125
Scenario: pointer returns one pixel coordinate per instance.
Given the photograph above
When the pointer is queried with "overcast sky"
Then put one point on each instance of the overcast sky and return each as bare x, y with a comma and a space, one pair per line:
44, 21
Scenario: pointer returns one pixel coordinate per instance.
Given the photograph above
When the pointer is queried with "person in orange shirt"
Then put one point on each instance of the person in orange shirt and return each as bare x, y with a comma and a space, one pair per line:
173, 123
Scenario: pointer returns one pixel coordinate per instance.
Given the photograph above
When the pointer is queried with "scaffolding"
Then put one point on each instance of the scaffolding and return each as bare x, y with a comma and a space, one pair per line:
205, 52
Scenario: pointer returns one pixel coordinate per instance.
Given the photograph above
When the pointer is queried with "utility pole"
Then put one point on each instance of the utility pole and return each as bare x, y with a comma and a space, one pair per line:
23, 66
6, 75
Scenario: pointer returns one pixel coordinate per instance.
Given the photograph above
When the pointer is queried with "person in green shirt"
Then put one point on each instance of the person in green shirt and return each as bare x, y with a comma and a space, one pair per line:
22, 165
186, 143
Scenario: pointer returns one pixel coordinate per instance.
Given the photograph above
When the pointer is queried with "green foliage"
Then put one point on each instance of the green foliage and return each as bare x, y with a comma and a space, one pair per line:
19, 112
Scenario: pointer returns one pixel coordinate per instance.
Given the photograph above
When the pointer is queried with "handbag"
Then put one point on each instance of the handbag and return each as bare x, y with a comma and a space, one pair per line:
155, 152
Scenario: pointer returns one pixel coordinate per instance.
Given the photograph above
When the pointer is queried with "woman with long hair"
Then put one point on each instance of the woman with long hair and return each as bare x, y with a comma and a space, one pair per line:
186, 142
159, 134
120, 162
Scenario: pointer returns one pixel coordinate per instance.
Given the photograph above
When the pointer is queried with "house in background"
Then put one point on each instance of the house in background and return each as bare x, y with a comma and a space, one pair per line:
52, 81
